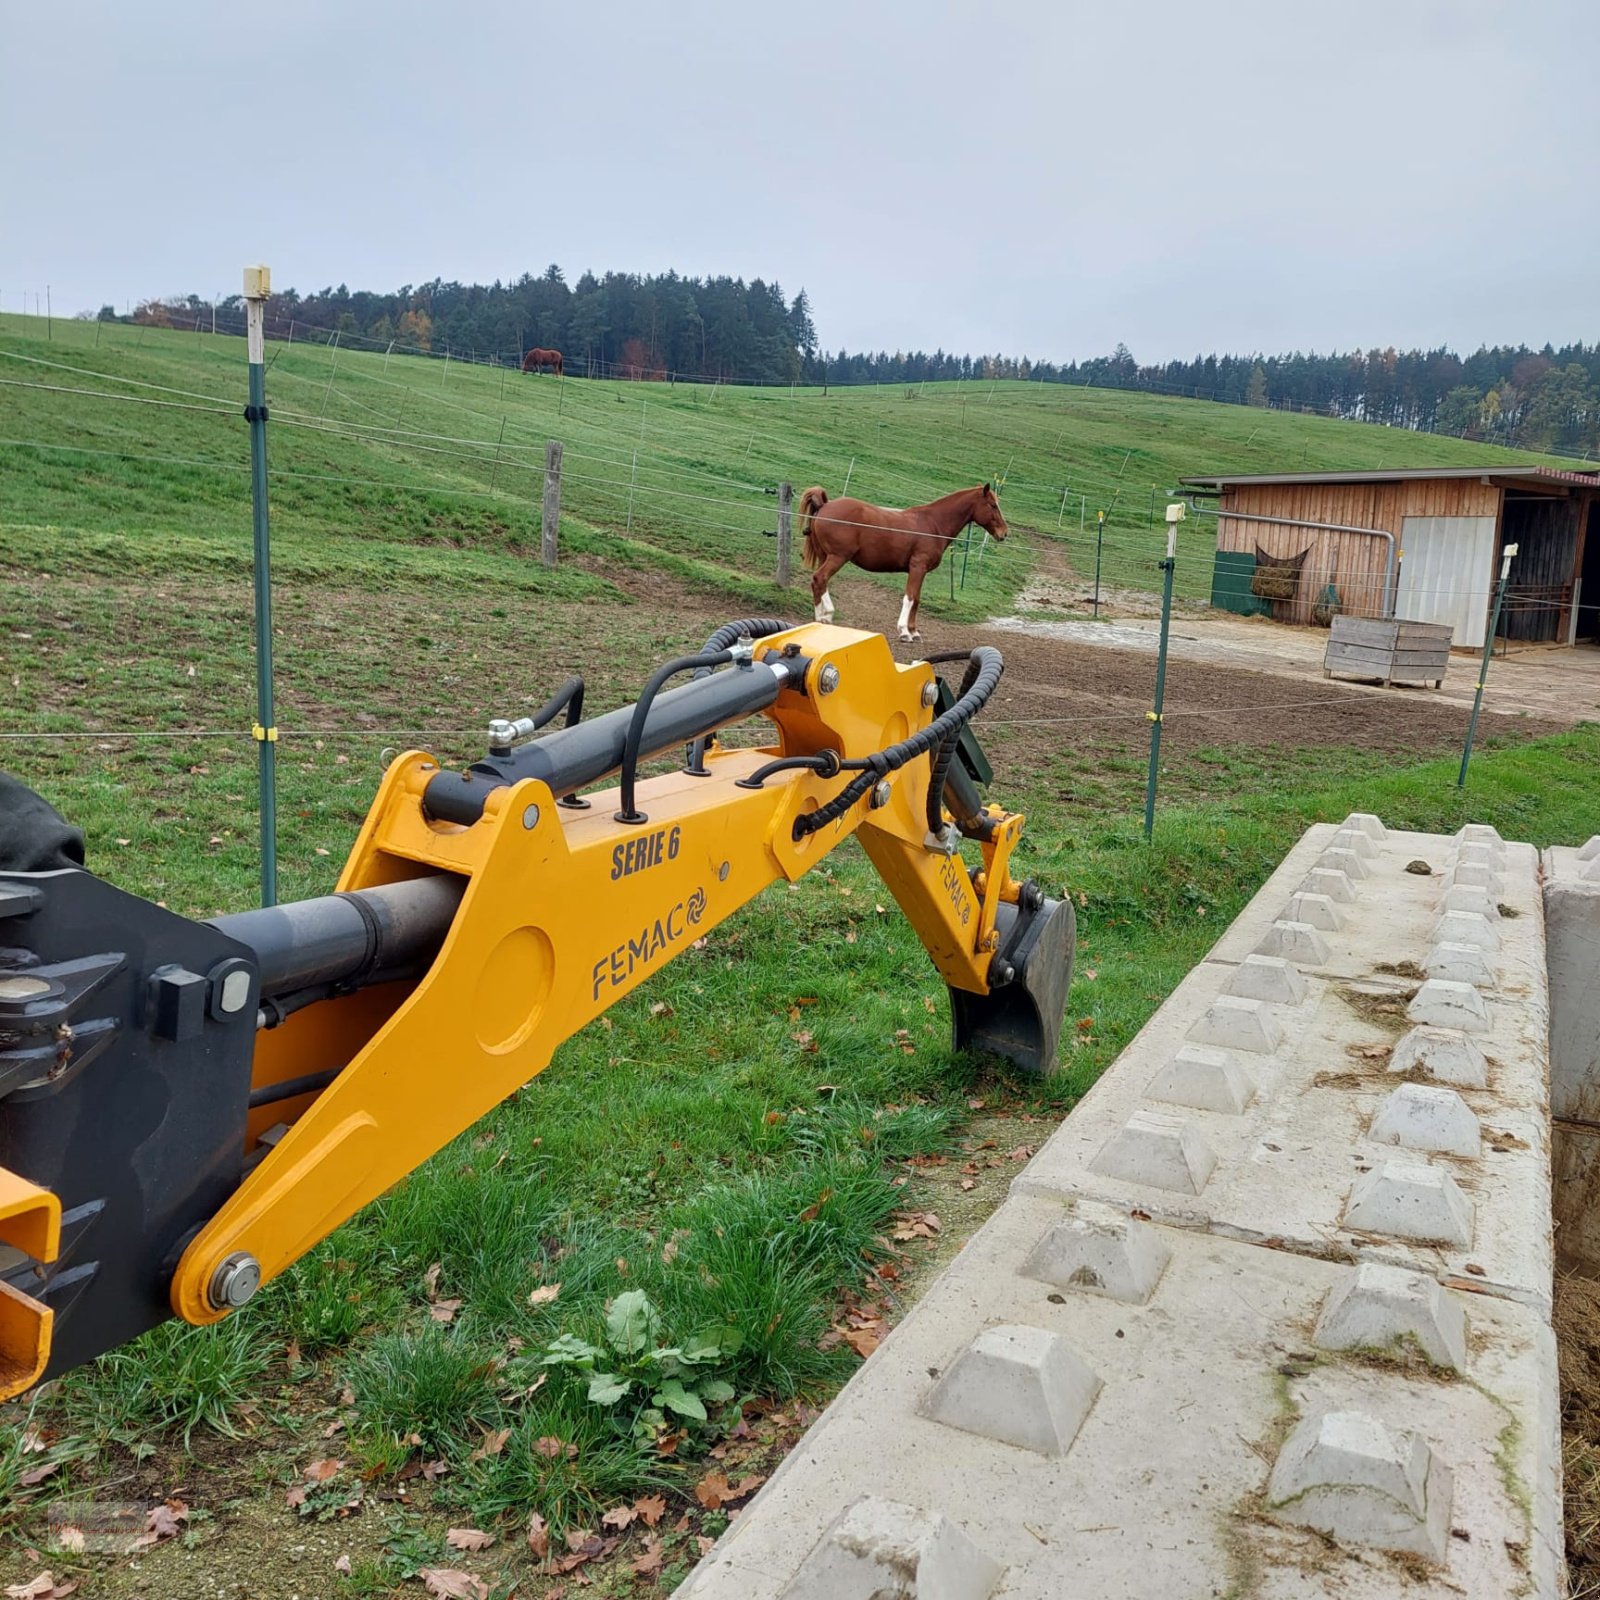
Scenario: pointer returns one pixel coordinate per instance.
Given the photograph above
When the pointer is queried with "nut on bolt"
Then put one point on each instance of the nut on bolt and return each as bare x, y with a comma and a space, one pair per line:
880, 794
930, 693
828, 679
235, 1281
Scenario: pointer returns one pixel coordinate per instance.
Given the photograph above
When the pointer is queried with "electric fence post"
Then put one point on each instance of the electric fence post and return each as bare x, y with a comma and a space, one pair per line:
1174, 517
1483, 670
1099, 546
257, 286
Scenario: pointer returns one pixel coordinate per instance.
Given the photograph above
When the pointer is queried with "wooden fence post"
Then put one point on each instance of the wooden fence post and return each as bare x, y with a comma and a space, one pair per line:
785, 525
550, 517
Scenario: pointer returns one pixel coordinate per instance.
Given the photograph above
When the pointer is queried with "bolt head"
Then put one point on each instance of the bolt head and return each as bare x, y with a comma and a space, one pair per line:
880, 793
828, 679
530, 818
930, 694
235, 1281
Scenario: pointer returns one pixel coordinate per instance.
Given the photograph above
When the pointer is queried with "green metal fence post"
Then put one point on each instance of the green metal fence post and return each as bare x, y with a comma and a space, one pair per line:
1174, 517
257, 286
1483, 669
1099, 546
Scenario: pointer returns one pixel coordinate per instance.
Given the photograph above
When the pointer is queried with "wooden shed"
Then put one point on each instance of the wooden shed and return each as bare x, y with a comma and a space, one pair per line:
1423, 544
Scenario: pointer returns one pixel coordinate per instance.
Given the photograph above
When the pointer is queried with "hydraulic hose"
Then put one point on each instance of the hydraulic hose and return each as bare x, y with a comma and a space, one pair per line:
989, 665
727, 635
641, 711
947, 751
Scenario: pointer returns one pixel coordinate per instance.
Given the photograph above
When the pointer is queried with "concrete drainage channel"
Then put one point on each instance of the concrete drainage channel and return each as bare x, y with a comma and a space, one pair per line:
1269, 1314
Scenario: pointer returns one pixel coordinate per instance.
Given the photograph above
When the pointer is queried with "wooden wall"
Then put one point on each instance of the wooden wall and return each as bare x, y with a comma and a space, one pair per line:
1356, 564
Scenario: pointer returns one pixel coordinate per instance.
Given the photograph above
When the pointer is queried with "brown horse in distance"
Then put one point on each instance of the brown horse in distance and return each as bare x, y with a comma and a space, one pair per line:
538, 360
883, 539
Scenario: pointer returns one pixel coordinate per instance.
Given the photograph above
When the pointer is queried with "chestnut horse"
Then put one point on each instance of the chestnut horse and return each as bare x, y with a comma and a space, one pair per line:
882, 539
537, 360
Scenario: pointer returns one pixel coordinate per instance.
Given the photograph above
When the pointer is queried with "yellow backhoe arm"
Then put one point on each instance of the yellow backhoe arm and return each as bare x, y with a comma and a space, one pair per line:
549, 909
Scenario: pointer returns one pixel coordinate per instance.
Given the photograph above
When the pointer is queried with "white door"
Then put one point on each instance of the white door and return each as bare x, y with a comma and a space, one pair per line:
1445, 567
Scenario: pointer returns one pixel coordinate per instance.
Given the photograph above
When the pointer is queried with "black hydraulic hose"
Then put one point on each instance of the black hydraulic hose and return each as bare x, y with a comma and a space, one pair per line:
729, 634
292, 1088
990, 664
940, 769
825, 762
641, 711
568, 697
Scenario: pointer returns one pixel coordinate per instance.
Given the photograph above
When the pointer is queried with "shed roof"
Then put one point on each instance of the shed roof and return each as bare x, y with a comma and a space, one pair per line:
1506, 472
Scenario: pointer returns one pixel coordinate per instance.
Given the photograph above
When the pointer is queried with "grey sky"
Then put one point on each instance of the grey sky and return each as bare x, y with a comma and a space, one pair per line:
1034, 178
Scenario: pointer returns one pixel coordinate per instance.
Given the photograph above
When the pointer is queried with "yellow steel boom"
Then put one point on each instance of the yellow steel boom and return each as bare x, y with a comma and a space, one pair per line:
493, 915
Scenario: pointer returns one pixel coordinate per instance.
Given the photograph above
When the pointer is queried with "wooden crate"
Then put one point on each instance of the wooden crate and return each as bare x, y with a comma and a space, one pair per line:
1388, 650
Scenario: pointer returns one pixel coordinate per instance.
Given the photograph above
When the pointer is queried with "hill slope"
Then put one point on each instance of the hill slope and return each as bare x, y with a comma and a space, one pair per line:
389, 470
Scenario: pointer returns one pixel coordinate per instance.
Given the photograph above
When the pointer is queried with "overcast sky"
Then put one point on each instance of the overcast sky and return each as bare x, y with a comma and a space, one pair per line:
1034, 178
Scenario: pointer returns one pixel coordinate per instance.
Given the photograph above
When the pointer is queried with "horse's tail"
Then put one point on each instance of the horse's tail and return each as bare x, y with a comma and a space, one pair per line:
812, 500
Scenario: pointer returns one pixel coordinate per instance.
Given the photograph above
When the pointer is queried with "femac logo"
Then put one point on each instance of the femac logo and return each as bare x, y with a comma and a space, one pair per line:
614, 970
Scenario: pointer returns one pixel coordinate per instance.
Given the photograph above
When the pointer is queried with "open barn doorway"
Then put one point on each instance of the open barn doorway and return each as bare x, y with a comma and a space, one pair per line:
1538, 603
1588, 598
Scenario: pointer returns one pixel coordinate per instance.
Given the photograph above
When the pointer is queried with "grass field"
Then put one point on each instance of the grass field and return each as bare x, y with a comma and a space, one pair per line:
756, 1139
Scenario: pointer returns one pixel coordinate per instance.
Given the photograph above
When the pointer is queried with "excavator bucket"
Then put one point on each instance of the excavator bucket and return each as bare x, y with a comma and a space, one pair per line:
1020, 1019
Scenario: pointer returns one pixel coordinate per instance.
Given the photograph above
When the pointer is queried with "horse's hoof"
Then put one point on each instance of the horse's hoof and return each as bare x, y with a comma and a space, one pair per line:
909, 638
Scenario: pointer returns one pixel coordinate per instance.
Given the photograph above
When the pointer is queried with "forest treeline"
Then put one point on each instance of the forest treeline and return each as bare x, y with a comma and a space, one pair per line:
668, 327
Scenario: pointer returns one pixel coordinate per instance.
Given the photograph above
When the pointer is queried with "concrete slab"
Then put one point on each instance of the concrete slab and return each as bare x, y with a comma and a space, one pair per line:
1398, 916
1165, 1490
1283, 1168
1269, 1290
1572, 922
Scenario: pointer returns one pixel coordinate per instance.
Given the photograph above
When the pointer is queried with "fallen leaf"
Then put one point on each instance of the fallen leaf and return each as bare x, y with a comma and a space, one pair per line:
648, 1565
661, 1009
39, 1474
450, 1583
703, 1543
712, 1490
296, 1497
773, 1117
538, 1535
321, 1471
493, 1444
1023, 1152
975, 1105
342, 1565
444, 1310
863, 1341
430, 1278
468, 1539
544, 1295
553, 1448
969, 1183
652, 1508
618, 1517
